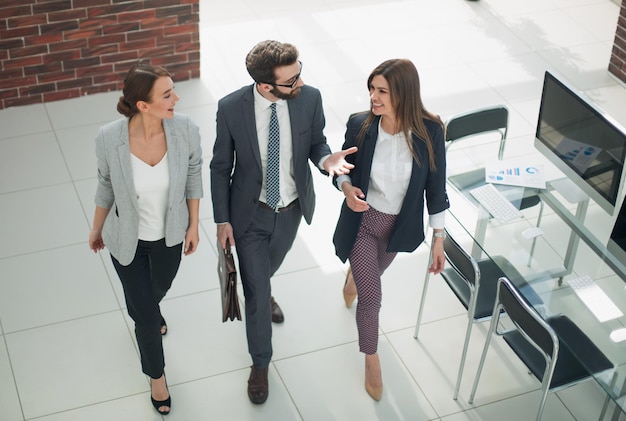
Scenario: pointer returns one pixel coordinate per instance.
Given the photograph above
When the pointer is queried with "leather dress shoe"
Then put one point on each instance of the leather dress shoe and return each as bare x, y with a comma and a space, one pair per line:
277, 313
258, 388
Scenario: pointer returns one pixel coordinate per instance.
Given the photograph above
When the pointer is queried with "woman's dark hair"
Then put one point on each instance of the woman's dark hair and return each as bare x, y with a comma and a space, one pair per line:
405, 94
138, 85
267, 56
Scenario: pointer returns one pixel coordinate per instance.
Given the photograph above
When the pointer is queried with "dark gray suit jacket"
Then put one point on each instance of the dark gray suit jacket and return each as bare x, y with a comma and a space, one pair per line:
236, 173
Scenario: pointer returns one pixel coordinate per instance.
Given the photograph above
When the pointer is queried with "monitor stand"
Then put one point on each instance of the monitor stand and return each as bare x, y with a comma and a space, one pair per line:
573, 194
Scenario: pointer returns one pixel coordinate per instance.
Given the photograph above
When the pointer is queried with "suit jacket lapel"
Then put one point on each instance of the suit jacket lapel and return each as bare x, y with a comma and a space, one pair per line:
174, 154
294, 117
368, 146
123, 152
415, 170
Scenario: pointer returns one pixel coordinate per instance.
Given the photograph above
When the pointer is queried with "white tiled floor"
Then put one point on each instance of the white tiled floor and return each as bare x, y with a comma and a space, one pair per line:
67, 350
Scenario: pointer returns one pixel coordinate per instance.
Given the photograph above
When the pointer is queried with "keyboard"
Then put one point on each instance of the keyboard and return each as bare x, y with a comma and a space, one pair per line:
495, 203
595, 298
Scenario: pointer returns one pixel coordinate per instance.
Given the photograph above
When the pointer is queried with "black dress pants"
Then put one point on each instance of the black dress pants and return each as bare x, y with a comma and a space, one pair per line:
146, 280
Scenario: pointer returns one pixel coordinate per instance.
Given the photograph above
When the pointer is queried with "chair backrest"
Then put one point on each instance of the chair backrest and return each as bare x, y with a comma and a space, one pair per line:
461, 261
484, 120
526, 319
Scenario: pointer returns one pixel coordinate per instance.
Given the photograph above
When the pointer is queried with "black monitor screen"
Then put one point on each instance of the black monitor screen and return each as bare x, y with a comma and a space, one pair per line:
618, 235
617, 241
584, 143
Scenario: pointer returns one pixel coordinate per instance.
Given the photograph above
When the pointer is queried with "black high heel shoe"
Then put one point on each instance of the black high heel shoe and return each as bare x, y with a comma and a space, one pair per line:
158, 404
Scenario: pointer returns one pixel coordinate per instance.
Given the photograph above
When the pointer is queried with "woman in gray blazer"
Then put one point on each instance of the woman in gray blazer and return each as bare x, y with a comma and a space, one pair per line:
147, 204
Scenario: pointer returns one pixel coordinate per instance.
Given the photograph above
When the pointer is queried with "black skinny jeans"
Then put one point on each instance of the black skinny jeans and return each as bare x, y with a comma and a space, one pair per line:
146, 280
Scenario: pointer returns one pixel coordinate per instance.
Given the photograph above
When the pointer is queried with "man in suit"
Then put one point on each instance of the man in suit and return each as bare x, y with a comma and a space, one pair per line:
247, 159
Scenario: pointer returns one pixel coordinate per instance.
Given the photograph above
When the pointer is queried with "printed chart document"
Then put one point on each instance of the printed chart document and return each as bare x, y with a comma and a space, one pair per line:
516, 172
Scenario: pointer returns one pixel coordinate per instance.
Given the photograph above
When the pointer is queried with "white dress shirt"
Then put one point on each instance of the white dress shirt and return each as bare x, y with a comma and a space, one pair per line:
391, 171
262, 112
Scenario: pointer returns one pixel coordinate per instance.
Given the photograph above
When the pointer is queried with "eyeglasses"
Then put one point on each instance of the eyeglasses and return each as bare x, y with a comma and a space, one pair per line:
291, 85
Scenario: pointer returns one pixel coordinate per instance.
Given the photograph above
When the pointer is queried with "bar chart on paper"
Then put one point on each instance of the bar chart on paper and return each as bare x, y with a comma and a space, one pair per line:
516, 172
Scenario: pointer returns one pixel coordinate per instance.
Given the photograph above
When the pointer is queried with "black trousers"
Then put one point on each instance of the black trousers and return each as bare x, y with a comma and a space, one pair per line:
146, 280
261, 250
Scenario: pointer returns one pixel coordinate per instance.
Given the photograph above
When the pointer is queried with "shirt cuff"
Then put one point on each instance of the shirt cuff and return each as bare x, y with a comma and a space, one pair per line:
437, 220
341, 179
321, 163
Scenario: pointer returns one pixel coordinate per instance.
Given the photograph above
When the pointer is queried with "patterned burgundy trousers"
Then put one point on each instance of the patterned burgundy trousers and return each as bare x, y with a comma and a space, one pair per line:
368, 260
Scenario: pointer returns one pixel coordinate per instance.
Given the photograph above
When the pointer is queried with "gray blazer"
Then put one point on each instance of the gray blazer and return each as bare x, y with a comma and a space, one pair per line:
116, 189
236, 172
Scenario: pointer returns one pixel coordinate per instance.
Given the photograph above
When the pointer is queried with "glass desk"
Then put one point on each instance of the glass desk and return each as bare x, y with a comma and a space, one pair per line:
564, 250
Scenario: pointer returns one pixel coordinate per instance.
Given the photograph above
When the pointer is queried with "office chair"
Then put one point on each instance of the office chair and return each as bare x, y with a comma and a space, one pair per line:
463, 127
544, 346
473, 123
465, 278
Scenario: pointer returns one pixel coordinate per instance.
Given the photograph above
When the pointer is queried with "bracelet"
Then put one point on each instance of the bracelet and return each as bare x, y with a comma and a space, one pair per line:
439, 234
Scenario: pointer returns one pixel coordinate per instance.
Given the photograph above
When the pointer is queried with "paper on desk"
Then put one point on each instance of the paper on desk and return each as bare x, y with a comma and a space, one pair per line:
516, 172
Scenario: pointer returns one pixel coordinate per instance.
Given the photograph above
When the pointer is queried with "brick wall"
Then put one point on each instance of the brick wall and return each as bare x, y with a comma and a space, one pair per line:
58, 49
617, 65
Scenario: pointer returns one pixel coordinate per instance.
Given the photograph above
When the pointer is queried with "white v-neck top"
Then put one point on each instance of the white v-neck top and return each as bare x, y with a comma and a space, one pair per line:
152, 187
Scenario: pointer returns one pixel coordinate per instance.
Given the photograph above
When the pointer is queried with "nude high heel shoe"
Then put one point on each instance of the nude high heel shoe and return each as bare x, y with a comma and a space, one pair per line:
373, 377
347, 296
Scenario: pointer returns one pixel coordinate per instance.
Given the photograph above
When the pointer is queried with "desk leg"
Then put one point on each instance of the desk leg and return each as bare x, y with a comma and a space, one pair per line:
572, 245
618, 412
479, 235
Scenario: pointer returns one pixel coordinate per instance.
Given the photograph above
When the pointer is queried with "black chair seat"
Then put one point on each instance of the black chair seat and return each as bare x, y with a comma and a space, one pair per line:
526, 201
568, 368
468, 180
490, 271
555, 350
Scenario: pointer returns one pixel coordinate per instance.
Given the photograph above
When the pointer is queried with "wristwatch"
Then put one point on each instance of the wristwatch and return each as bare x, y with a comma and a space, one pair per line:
439, 234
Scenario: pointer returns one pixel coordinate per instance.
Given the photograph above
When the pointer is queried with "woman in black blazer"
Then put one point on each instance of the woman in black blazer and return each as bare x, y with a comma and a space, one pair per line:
400, 164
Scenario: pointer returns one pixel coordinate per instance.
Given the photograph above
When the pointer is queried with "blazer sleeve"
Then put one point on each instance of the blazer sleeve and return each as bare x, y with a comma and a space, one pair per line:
319, 147
104, 191
436, 194
352, 129
193, 188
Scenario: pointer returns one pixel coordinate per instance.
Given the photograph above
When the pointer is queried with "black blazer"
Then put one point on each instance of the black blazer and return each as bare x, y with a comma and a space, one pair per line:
236, 174
424, 185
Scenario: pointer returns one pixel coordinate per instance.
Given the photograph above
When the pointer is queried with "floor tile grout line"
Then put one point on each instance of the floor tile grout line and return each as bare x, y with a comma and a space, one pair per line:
44, 250
67, 167
65, 321
291, 397
10, 361
40, 187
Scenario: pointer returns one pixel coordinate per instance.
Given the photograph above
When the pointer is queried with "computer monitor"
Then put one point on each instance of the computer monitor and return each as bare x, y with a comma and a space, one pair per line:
582, 141
617, 240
